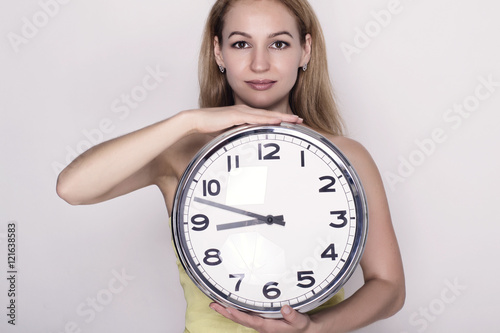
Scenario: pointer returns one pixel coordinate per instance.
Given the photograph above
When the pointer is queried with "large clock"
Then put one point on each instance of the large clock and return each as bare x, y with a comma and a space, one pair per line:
270, 215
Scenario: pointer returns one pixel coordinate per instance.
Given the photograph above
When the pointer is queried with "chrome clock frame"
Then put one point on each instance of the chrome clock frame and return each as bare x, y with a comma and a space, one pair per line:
319, 142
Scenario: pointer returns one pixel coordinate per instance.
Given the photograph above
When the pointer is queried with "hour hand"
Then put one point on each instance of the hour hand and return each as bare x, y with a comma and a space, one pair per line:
269, 219
239, 224
247, 223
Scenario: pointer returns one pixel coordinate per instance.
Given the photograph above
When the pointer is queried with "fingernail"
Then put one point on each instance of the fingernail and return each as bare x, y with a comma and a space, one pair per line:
287, 310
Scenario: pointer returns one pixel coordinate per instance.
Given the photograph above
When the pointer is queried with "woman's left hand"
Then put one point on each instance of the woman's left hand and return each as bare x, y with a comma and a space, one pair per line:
292, 321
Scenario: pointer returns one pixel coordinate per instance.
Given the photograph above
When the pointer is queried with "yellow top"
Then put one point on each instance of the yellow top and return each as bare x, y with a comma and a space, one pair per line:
200, 318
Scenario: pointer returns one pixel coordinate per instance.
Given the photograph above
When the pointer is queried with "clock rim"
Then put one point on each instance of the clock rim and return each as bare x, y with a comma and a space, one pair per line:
347, 170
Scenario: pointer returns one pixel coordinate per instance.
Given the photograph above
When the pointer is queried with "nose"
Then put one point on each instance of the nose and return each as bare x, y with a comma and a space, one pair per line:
260, 60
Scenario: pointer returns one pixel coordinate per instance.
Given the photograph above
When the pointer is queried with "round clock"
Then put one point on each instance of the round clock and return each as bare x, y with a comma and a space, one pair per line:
269, 215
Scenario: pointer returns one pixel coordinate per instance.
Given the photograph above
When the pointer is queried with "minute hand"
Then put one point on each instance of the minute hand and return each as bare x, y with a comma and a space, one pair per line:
269, 219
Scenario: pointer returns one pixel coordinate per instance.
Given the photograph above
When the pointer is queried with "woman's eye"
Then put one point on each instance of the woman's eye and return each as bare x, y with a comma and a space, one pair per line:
280, 45
240, 45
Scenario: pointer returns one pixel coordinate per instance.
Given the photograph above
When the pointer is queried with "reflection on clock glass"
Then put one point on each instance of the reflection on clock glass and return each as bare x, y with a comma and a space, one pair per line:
247, 185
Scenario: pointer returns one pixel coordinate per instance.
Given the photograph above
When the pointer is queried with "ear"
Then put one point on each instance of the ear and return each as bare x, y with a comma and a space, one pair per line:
218, 52
306, 50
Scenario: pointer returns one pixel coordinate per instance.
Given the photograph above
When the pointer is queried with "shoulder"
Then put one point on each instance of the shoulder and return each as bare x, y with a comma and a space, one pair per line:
355, 152
171, 163
362, 162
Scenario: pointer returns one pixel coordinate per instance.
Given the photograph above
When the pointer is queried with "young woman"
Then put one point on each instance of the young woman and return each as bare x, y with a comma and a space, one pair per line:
262, 62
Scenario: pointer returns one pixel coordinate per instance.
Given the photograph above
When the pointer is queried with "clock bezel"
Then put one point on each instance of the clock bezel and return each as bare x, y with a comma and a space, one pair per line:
320, 142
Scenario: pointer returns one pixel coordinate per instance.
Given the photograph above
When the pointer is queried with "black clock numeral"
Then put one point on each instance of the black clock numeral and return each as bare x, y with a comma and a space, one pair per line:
212, 187
305, 276
212, 257
330, 252
341, 216
302, 159
271, 155
239, 277
230, 164
270, 292
200, 221
328, 187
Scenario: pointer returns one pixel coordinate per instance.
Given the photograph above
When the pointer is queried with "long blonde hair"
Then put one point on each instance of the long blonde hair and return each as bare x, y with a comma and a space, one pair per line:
311, 98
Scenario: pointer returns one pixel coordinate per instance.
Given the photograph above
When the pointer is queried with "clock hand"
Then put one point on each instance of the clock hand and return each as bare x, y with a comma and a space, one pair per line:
239, 224
270, 219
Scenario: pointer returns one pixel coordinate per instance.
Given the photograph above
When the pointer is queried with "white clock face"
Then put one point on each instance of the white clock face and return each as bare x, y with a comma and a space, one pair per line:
268, 218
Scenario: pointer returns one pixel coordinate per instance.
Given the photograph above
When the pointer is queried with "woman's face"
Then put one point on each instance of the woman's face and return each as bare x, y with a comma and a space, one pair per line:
261, 52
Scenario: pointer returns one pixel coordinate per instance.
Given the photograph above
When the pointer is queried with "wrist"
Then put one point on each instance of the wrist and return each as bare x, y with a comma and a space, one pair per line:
187, 121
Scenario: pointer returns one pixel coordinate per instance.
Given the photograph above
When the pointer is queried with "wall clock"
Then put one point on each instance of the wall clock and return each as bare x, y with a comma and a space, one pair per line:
270, 215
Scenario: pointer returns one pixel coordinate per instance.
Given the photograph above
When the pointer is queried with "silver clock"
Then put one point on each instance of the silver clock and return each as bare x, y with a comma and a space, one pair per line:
270, 215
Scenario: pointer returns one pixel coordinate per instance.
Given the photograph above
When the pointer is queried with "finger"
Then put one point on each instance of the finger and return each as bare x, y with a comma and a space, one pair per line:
239, 317
273, 115
220, 309
294, 318
267, 118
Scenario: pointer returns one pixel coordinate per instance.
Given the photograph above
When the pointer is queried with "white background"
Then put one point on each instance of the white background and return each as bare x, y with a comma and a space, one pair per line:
66, 77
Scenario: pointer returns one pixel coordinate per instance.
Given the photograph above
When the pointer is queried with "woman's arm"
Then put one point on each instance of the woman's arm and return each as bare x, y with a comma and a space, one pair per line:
124, 164
383, 292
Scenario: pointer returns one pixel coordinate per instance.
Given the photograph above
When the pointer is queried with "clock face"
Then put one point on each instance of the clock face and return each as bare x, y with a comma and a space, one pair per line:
270, 215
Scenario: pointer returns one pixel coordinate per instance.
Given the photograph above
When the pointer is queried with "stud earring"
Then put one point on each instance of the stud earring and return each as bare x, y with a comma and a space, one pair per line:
304, 68
221, 68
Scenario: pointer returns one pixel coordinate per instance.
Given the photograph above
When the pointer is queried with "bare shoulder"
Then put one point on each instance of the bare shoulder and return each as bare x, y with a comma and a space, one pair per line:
363, 164
170, 165
355, 152
174, 160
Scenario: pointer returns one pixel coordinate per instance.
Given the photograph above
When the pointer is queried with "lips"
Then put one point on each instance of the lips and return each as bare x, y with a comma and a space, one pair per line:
260, 84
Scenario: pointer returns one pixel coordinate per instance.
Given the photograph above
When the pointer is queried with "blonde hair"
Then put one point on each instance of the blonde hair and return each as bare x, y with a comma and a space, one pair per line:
311, 98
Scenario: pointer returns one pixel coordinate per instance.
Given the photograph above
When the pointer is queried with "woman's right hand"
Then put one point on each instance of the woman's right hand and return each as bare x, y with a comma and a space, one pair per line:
214, 120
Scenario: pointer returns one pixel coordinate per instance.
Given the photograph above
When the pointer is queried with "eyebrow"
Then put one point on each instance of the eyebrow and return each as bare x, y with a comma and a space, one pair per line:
244, 34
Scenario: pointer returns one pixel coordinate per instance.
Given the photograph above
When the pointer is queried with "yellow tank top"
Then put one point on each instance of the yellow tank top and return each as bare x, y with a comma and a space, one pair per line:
200, 318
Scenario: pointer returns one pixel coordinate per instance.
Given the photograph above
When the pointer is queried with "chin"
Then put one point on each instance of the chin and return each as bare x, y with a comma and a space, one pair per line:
266, 104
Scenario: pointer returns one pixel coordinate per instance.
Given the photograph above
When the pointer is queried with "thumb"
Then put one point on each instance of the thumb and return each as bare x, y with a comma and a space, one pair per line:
294, 318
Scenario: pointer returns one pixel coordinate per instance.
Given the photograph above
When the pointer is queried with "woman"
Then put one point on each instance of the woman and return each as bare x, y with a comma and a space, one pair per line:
262, 62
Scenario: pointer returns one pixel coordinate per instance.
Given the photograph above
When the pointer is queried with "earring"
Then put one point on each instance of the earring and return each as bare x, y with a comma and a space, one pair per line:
221, 68
304, 68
